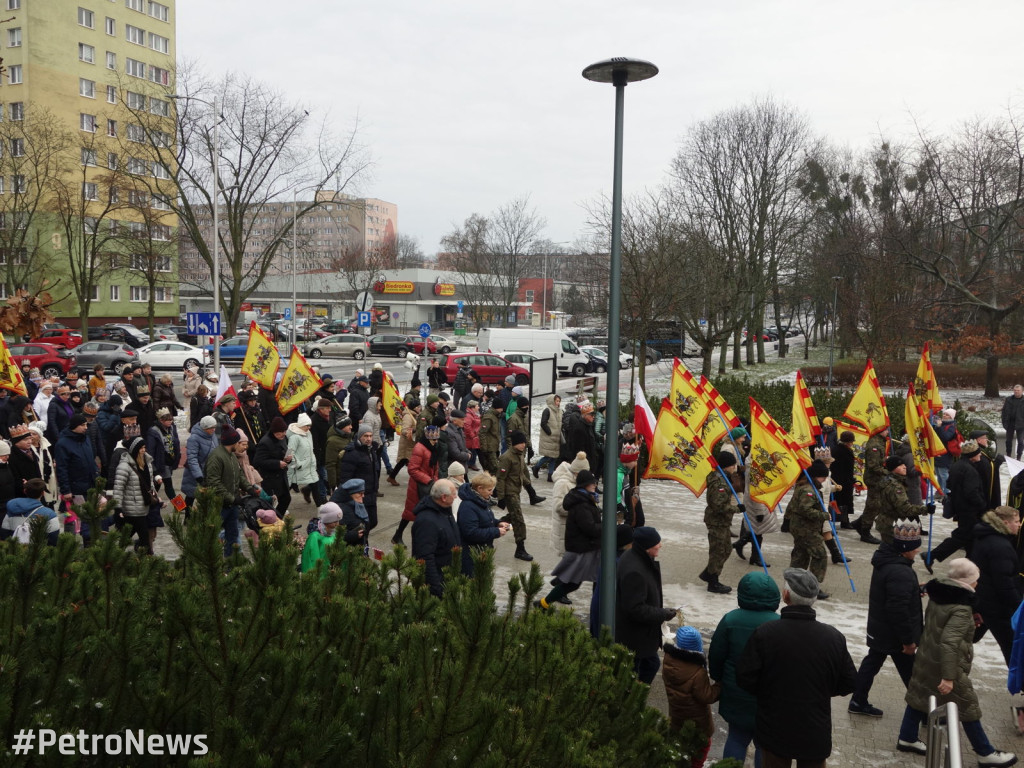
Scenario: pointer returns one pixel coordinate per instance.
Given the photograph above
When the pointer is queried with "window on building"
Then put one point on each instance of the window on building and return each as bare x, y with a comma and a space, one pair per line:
159, 43
86, 53
111, 94
111, 26
14, 37
160, 170
115, 197
112, 128
111, 60
90, 191
135, 34
17, 110
14, 74
135, 5
138, 166
159, 76
136, 133
87, 122
88, 156
158, 11
134, 68
161, 295
529, 296
161, 203
17, 147
90, 224
20, 217
160, 107
112, 164
160, 138
138, 293
87, 88
13, 5
163, 233
86, 18
136, 100
115, 293
94, 293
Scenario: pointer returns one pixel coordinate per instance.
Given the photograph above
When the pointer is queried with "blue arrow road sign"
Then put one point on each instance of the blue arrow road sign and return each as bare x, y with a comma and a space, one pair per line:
424, 330
363, 320
203, 323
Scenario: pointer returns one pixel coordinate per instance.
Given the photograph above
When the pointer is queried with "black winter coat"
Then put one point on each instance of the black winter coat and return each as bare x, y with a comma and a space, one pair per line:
270, 452
895, 615
579, 436
582, 522
794, 667
477, 525
996, 557
639, 611
360, 461
357, 406
9, 487
434, 534
966, 496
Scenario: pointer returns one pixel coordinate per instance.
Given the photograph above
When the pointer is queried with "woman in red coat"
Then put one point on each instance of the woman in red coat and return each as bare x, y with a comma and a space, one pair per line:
422, 471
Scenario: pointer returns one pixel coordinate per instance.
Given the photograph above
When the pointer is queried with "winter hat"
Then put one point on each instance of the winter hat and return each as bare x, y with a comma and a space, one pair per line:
623, 536
627, 429
77, 420
329, 513
229, 435
817, 469
517, 391
725, 459
949, 415
224, 400
5, 448
378, 367
431, 399
522, 402
415, 379
364, 427
355, 485
444, 397
277, 424
304, 420
455, 469
343, 422
969, 448
892, 462
323, 403
828, 421
585, 478
630, 453
645, 537
964, 572
737, 432
689, 639
801, 582
131, 413
115, 400
510, 380
135, 446
267, 516
242, 437
207, 422
580, 462
587, 407
906, 535
458, 414
515, 437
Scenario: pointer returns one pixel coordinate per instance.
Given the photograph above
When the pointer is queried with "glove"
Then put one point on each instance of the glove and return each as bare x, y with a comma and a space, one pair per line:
930, 506
670, 614
742, 508
501, 503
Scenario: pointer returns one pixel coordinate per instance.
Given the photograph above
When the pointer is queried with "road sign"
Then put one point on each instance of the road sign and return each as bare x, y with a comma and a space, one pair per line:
203, 323
394, 315
287, 313
363, 320
364, 301
424, 330
459, 304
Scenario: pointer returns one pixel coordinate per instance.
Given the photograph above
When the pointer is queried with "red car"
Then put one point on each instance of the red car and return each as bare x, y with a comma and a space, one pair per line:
61, 337
491, 368
418, 344
48, 358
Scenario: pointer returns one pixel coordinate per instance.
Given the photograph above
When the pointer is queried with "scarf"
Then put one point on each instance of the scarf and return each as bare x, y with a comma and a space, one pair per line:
360, 510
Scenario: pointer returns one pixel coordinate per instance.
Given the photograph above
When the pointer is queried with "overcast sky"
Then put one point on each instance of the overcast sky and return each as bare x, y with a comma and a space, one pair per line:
466, 105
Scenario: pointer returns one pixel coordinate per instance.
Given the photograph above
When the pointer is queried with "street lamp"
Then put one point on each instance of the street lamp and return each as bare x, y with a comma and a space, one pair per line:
832, 341
618, 72
215, 166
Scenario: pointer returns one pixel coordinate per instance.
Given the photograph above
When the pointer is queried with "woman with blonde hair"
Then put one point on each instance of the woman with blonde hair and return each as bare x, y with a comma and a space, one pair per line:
477, 525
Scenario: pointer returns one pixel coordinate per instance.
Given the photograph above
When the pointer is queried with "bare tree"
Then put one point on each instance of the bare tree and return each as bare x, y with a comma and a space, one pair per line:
408, 252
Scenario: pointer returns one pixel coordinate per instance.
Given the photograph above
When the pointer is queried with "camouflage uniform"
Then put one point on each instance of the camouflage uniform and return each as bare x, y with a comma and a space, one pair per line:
490, 441
894, 505
721, 506
805, 519
513, 476
874, 472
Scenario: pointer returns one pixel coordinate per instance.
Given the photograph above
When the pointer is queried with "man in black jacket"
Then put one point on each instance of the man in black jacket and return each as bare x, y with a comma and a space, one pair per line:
988, 468
639, 612
1012, 418
964, 488
360, 461
579, 435
435, 533
998, 595
842, 470
895, 617
358, 396
794, 666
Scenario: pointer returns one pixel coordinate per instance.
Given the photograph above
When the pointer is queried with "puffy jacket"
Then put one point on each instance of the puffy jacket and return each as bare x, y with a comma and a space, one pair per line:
478, 527
551, 429
224, 475
996, 557
197, 450
110, 423
895, 614
58, 416
457, 450
420, 471
302, 469
471, 428
639, 611
490, 431
946, 431
434, 534
690, 692
75, 463
1012, 415
360, 461
407, 434
163, 397
357, 397
372, 417
337, 444
579, 436
133, 501
758, 598
564, 481
582, 522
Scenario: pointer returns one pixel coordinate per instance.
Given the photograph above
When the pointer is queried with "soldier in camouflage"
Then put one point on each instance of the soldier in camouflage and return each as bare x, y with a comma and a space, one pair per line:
806, 516
874, 459
721, 506
894, 503
513, 476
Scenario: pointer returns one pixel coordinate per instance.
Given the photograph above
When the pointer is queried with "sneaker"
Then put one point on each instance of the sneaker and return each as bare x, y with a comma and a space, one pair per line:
856, 708
998, 759
917, 747
927, 564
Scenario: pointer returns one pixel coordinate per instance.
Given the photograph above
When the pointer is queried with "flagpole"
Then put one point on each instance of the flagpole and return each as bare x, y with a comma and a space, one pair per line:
832, 525
743, 511
728, 433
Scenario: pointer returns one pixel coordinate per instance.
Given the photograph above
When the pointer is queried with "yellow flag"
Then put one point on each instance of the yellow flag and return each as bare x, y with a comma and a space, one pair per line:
925, 384
860, 439
10, 375
262, 360
716, 429
298, 383
690, 404
867, 406
772, 466
677, 453
391, 403
920, 442
806, 427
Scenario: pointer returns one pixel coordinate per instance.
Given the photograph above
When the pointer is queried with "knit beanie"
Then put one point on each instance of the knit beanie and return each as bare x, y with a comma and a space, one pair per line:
689, 639
229, 435
579, 463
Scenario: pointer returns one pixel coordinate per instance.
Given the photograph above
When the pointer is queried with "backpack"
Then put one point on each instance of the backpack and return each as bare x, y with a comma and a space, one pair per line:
953, 446
23, 533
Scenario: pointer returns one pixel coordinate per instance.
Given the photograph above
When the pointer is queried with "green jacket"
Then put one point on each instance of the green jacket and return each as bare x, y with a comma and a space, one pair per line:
337, 442
874, 460
513, 474
895, 504
316, 549
518, 421
721, 503
804, 512
223, 474
490, 431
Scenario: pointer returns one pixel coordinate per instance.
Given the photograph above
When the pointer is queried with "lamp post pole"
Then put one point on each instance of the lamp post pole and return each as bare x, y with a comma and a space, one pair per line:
832, 341
618, 72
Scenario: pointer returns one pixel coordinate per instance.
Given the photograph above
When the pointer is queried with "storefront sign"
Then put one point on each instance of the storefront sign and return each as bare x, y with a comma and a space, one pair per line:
393, 286
444, 289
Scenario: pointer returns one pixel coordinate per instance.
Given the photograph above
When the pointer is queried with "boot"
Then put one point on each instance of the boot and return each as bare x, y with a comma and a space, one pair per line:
753, 554
534, 498
785, 524
521, 553
844, 520
740, 543
536, 470
703, 576
833, 550
392, 481
865, 535
717, 587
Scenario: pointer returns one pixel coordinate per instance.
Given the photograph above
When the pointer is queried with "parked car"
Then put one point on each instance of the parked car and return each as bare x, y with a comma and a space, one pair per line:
302, 333
443, 343
399, 344
173, 355
166, 333
491, 368
61, 337
231, 349
114, 355
625, 359
132, 335
338, 345
48, 358
340, 326
598, 361
519, 358
270, 317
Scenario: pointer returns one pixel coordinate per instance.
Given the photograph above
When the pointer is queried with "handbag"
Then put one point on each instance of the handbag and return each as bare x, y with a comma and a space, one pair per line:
423, 489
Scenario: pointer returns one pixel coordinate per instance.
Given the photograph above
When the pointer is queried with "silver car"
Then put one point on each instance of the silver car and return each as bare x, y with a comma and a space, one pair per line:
338, 345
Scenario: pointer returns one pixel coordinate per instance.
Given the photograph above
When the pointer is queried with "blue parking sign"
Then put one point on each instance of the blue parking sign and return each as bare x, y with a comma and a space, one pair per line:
363, 320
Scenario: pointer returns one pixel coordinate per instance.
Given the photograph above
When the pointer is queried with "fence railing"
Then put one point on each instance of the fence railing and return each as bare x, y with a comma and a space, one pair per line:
943, 739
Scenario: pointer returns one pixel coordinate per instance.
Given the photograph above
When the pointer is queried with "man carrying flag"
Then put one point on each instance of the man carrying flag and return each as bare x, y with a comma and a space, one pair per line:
867, 407
722, 504
806, 516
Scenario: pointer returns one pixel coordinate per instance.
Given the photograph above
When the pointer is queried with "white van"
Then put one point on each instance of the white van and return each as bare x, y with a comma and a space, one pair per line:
568, 359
